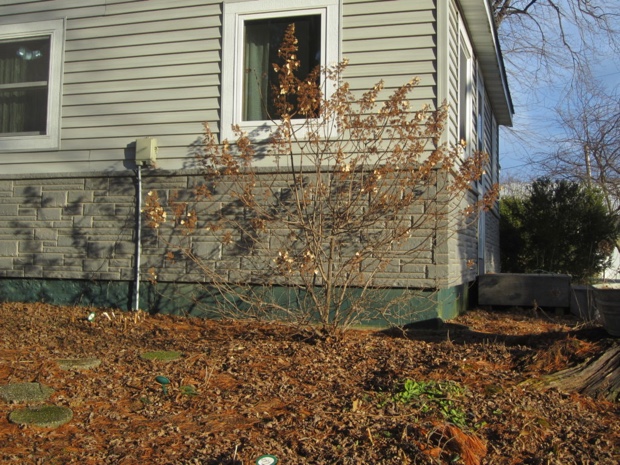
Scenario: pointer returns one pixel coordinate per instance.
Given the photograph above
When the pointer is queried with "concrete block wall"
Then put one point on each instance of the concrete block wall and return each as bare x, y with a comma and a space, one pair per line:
82, 227
462, 244
492, 253
419, 269
67, 227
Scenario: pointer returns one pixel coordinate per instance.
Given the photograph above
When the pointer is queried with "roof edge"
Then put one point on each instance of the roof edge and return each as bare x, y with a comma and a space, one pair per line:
478, 17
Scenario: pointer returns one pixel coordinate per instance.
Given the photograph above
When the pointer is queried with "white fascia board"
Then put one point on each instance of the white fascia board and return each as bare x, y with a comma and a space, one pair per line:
478, 17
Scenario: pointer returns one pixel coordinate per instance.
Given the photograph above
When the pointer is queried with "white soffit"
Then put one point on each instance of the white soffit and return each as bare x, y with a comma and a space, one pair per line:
479, 20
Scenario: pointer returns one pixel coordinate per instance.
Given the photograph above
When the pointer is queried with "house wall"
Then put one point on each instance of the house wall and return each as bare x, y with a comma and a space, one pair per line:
452, 65
151, 69
492, 256
462, 245
63, 227
492, 219
132, 69
64, 237
465, 261
412, 263
393, 41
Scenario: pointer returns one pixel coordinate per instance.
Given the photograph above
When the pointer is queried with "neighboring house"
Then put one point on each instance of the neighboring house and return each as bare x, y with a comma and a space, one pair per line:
82, 80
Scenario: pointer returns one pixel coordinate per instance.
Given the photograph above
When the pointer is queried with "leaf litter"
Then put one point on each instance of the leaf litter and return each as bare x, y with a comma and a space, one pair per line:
245, 389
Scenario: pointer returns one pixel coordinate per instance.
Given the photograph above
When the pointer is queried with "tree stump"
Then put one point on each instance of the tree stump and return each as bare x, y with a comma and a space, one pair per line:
598, 377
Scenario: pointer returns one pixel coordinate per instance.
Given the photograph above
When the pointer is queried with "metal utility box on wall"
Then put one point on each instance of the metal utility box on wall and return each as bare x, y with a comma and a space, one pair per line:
146, 151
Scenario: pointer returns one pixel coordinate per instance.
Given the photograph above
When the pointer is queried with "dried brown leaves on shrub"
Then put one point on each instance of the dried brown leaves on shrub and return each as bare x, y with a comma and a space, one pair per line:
358, 186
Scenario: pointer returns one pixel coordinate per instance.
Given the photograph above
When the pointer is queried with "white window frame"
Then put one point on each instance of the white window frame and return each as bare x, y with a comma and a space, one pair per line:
55, 30
236, 12
465, 96
481, 112
495, 166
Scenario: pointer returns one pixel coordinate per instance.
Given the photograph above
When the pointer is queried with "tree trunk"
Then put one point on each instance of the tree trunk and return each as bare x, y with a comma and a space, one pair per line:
598, 377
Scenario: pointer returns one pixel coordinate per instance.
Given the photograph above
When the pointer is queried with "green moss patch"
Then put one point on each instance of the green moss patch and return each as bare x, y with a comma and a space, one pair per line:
162, 355
78, 363
25, 392
47, 416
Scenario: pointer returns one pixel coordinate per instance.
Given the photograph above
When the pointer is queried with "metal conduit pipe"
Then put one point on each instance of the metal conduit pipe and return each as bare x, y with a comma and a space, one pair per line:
138, 238
146, 154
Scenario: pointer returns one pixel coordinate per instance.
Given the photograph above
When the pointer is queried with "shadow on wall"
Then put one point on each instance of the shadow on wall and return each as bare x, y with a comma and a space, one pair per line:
72, 230
196, 150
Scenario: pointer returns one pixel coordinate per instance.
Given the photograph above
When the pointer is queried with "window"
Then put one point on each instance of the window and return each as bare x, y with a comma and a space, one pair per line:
30, 85
262, 40
465, 90
481, 116
253, 32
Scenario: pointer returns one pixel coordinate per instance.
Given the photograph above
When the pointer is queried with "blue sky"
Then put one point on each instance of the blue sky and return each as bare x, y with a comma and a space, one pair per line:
535, 118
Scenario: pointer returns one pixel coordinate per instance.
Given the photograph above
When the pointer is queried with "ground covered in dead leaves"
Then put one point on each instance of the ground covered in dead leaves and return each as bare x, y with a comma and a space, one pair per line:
457, 394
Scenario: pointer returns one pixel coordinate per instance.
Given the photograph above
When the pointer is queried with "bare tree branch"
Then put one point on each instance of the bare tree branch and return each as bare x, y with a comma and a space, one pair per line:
547, 32
589, 151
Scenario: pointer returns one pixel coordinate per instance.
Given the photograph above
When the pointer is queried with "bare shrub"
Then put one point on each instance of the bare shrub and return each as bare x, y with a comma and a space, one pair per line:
331, 208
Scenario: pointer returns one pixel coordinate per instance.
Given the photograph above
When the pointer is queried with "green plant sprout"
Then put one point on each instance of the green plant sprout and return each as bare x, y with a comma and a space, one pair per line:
164, 383
433, 395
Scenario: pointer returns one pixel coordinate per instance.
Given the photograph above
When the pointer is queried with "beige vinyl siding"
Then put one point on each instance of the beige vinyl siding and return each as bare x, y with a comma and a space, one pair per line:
487, 145
488, 126
6, 3
393, 40
152, 68
155, 65
492, 243
132, 69
116, 7
29, 11
473, 136
453, 72
463, 243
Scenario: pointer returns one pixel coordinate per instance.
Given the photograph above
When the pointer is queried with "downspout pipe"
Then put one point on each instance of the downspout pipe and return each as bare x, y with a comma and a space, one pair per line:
138, 239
